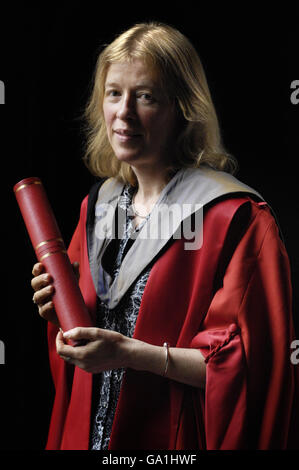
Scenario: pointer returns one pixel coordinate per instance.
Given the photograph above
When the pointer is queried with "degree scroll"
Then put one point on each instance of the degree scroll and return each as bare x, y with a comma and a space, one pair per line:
50, 250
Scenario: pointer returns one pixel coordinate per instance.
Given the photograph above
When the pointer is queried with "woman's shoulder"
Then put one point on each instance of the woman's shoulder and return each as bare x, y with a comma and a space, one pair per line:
209, 182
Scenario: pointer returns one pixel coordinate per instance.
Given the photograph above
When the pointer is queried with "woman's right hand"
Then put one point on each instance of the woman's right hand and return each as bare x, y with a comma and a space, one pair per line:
43, 291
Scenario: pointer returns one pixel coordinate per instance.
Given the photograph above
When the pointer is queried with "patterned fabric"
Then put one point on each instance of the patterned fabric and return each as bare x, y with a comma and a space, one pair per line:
106, 385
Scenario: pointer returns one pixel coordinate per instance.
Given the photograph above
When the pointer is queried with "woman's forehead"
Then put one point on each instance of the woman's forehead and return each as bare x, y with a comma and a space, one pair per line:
133, 70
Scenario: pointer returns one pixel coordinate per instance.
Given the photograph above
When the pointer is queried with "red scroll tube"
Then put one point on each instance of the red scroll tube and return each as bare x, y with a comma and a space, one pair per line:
50, 250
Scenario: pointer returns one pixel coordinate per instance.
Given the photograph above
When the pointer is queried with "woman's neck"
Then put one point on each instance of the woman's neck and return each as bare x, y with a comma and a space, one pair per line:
150, 184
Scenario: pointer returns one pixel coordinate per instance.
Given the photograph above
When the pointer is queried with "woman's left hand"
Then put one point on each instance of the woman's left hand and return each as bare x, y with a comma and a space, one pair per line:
107, 350
104, 349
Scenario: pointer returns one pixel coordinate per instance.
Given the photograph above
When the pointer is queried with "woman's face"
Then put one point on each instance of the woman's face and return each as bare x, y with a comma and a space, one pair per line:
140, 120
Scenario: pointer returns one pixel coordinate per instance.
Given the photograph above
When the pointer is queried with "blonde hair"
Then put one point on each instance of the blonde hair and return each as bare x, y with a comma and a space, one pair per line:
173, 57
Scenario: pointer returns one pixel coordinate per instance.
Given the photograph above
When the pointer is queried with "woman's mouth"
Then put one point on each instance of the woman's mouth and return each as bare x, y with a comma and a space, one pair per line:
125, 135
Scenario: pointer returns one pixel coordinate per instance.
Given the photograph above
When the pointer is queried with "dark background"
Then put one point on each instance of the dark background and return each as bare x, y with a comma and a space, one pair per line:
47, 58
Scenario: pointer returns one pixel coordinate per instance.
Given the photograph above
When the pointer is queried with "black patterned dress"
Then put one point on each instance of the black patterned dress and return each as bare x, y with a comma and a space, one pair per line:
122, 318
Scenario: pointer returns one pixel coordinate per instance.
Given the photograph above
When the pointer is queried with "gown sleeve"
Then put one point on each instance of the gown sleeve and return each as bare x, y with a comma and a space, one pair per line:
251, 384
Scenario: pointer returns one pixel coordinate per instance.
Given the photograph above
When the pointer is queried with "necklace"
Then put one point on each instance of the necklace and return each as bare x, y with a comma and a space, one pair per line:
136, 211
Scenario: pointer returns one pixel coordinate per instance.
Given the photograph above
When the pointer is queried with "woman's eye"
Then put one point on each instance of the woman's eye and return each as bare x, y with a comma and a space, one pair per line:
112, 93
146, 97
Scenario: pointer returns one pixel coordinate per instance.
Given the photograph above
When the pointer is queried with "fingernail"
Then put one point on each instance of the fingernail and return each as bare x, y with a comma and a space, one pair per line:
66, 334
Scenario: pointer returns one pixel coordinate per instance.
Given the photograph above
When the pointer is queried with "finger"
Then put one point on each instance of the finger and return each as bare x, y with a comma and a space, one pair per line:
47, 312
40, 281
60, 342
78, 333
46, 309
64, 350
38, 268
43, 295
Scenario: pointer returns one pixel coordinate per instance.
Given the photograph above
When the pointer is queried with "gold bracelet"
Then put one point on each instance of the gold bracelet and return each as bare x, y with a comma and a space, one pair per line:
166, 346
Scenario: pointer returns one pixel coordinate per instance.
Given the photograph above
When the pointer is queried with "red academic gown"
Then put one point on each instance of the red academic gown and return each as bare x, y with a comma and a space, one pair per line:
231, 299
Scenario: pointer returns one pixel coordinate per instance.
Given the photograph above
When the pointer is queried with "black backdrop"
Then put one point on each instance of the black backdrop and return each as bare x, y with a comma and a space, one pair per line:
47, 58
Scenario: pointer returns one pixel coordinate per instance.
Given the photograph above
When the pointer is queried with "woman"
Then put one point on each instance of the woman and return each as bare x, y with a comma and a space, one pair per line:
190, 348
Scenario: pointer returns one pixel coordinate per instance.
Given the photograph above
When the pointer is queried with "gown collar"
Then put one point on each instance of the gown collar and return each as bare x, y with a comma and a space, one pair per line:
184, 196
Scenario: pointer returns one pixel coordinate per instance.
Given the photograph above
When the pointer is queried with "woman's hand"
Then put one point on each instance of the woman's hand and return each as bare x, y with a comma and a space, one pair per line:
104, 350
42, 285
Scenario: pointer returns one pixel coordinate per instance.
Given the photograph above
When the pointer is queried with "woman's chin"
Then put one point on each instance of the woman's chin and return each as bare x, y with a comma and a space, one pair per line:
130, 158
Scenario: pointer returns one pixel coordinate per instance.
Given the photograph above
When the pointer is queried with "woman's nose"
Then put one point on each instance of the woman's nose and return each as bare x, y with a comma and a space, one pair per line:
126, 108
